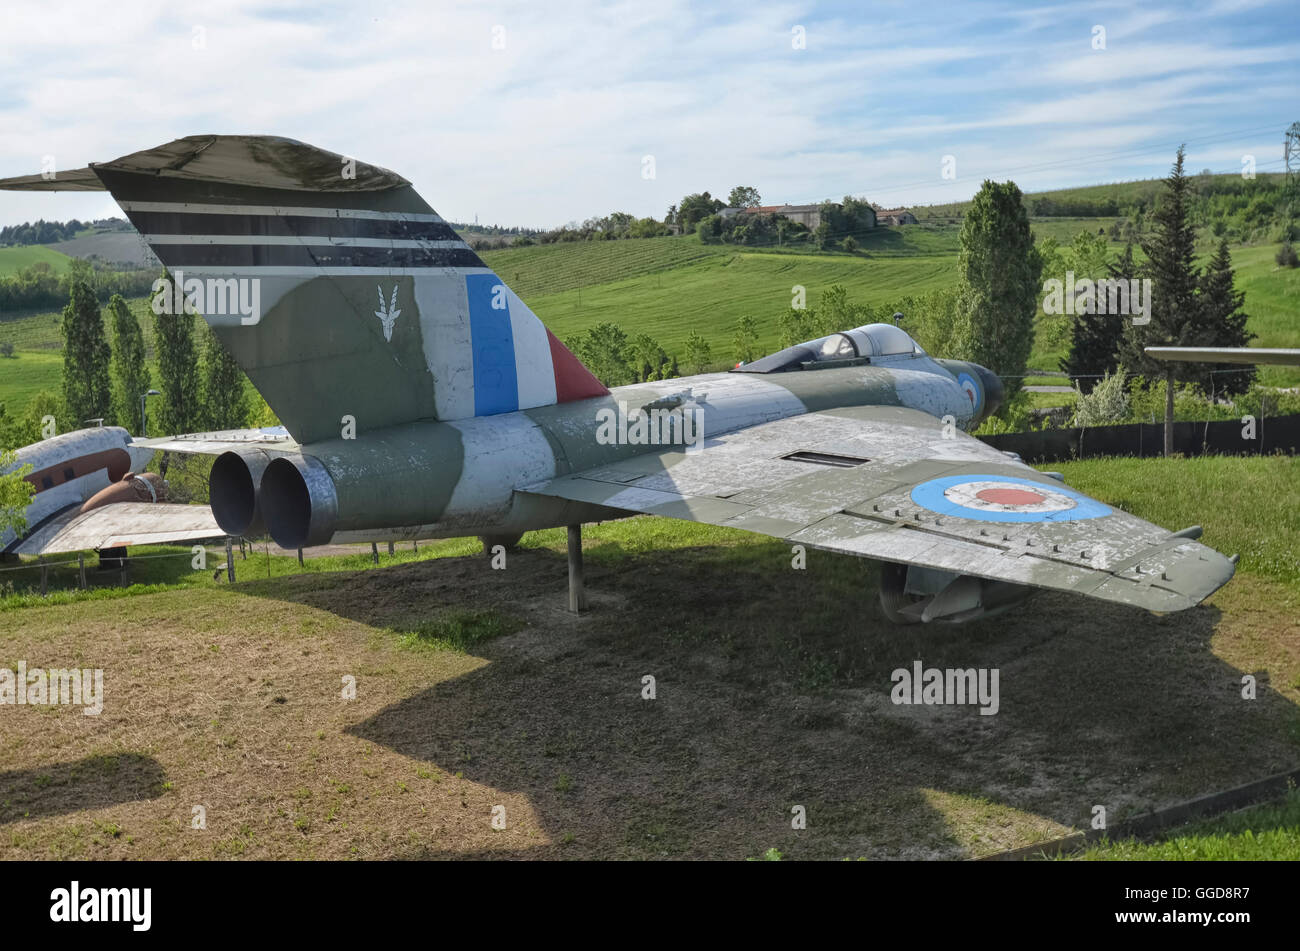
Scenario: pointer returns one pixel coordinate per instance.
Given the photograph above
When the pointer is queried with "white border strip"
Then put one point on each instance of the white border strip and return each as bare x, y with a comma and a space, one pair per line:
276, 271
190, 208
253, 240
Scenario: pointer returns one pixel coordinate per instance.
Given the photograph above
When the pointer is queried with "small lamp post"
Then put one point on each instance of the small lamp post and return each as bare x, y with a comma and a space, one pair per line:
144, 396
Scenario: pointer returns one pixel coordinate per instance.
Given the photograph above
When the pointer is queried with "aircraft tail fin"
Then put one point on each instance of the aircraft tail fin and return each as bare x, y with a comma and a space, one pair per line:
333, 284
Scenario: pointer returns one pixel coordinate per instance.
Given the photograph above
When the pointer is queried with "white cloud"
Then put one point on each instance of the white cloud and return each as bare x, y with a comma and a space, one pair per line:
553, 127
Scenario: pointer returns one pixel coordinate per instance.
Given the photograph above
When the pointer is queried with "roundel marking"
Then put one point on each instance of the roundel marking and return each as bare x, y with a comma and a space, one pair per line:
1010, 496
971, 389
998, 498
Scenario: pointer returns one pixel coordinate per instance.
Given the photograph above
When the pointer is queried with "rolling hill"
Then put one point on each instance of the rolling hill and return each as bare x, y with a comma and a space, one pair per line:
670, 286
13, 260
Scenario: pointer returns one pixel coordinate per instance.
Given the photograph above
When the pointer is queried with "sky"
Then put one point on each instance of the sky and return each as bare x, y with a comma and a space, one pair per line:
538, 114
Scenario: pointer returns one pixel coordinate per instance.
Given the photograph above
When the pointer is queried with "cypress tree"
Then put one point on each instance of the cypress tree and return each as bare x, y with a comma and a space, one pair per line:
178, 377
1222, 324
225, 399
86, 389
998, 274
129, 371
1095, 338
1171, 267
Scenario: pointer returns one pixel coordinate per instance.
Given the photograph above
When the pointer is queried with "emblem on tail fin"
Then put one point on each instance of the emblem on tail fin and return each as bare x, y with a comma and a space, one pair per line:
387, 313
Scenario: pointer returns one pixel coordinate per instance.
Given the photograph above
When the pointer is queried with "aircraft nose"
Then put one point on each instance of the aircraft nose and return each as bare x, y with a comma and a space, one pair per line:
994, 393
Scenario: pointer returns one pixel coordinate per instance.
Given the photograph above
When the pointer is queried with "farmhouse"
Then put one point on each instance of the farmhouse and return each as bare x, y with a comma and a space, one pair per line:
808, 215
894, 216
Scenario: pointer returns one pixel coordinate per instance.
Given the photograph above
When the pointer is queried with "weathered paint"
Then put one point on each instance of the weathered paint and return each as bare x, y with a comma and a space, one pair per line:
77, 465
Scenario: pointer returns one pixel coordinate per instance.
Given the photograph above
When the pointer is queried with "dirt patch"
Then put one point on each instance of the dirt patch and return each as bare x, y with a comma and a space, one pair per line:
772, 691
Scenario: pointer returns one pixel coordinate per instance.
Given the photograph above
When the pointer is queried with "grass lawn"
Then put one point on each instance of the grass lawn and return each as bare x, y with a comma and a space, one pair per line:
1273, 303
1264, 833
476, 689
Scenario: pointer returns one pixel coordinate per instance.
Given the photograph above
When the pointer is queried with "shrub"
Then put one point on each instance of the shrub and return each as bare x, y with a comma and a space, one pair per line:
1107, 403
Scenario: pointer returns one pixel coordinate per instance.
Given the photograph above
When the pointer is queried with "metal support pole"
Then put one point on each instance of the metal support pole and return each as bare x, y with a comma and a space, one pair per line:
577, 594
230, 561
415, 545
45, 576
390, 549
81, 569
374, 553
1169, 411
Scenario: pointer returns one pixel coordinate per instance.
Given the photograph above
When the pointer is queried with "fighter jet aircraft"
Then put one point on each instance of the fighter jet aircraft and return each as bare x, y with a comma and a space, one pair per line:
424, 399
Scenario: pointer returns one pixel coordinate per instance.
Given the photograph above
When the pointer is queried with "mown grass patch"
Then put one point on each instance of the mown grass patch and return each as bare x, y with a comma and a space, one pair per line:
1247, 505
459, 631
1265, 833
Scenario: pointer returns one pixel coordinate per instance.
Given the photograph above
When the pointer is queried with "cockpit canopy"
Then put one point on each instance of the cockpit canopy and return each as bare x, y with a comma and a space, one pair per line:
847, 348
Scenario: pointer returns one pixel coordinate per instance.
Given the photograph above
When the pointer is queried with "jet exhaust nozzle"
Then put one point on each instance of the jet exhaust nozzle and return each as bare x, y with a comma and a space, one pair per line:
233, 490
299, 501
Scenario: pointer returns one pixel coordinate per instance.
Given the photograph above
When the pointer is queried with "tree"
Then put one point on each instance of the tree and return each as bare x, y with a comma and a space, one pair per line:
1171, 268
796, 325
1223, 324
998, 283
745, 340
25, 429
698, 351
835, 312
603, 349
823, 236
178, 378
850, 244
709, 228
1094, 338
129, 370
86, 388
1189, 308
1089, 255
646, 357
224, 393
15, 494
695, 208
931, 320
744, 196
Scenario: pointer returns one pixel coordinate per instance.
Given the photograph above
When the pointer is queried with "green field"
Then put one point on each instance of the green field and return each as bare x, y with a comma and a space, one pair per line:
670, 286
12, 260
37, 363
710, 295
25, 374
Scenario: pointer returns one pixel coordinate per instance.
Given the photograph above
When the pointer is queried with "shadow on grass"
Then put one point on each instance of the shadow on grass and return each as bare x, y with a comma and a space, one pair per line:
773, 691
90, 783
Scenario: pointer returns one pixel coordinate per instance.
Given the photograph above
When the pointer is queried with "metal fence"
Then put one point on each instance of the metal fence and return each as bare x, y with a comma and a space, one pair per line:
1274, 434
